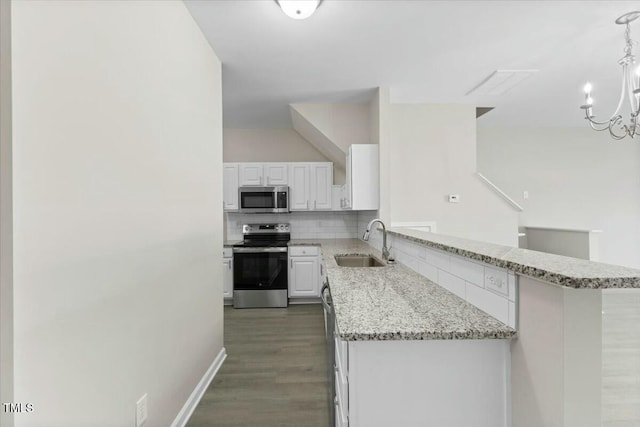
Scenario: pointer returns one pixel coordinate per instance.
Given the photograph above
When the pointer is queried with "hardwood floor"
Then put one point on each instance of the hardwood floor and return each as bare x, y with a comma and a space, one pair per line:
621, 358
275, 372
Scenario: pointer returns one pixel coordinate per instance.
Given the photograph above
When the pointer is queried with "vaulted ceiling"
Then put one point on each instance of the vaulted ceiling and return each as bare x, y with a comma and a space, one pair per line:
424, 51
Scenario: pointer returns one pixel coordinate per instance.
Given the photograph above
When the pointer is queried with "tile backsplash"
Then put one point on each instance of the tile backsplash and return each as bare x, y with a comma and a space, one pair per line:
375, 238
304, 225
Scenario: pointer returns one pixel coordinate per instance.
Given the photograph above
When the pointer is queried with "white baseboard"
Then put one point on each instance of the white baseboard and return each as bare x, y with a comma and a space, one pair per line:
198, 392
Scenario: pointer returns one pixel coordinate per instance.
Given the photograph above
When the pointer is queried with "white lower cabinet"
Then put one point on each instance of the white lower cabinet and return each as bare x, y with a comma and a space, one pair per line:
304, 272
422, 383
341, 400
227, 273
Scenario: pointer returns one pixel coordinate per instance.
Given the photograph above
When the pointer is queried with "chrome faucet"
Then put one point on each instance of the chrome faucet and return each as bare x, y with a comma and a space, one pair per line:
385, 250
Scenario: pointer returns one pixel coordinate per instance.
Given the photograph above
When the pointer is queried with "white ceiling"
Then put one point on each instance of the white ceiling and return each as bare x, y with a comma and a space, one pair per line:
424, 51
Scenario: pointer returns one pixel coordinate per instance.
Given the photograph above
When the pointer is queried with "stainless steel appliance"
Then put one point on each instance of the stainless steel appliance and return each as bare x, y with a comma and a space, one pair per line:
329, 328
260, 275
264, 199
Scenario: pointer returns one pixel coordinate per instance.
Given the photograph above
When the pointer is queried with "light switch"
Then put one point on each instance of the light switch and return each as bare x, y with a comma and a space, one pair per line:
454, 198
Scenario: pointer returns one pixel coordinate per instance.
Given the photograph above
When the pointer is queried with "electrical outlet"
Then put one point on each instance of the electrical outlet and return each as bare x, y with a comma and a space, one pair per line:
454, 198
141, 410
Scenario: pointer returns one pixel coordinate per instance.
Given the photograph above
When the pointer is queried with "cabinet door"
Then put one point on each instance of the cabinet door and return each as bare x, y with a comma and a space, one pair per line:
346, 191
230, 186
321, 182
251, 174
298, 187
363, 176
276, 174
304, 277
227, 277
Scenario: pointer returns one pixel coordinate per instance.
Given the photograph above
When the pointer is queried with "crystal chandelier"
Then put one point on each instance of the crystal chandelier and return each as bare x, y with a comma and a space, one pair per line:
630, 89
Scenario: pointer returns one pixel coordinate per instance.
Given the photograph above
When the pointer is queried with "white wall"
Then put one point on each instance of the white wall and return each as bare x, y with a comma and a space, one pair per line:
343, 124
428, 152
576, 178
6, 216
332, 128
271, 145
117, 127
268, 145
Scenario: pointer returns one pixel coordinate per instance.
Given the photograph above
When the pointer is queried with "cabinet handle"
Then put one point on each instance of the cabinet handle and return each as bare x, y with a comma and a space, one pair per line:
291, 262
497, 282
320, 269
307, 205
314, 205
260, 179
229, 263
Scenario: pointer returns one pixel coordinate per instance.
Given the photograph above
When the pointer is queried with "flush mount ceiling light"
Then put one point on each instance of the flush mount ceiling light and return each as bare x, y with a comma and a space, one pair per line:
298, 9
630, 90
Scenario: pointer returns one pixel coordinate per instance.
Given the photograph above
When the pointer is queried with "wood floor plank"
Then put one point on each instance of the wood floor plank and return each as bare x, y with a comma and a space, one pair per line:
275, 371
621, 359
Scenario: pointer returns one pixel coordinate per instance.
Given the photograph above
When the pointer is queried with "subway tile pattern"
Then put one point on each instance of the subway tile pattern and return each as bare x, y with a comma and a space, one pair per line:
555, 269
304, 225
491, 289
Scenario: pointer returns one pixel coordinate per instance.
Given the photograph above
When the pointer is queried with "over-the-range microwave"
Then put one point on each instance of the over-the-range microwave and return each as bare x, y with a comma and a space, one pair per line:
264, 199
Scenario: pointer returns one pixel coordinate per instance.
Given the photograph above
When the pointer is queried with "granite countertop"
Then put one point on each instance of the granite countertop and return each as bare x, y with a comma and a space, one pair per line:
395, 303
556, 269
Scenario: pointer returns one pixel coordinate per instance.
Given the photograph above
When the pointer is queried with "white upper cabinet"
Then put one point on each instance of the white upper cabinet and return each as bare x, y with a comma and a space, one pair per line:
321, 181
251, 174
276, 174
230, 186
310, 186
299, 187
362, 187
263, 174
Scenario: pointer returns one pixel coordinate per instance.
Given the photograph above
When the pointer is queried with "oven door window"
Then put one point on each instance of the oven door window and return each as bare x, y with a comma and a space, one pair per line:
257, 200
253, 271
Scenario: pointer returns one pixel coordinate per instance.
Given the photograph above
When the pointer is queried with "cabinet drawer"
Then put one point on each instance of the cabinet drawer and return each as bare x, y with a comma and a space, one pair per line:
340, 402
304, 250
227, 252
341, 419
342, 358
496, 281
342, 390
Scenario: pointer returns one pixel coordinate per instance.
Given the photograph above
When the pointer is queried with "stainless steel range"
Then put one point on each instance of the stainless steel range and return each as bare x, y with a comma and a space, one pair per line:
260, 275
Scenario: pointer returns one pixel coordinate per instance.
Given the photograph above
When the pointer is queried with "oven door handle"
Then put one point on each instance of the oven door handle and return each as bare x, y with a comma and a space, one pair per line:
257, 250
326, 304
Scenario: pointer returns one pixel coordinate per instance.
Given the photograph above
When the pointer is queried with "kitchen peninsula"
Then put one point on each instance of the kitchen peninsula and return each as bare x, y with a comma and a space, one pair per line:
408, 352
557, 371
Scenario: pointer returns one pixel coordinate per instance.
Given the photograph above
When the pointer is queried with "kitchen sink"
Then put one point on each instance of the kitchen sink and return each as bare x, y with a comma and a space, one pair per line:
358, 260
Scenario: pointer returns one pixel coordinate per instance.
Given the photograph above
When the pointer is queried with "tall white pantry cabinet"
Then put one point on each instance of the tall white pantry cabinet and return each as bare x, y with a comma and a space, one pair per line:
361, 188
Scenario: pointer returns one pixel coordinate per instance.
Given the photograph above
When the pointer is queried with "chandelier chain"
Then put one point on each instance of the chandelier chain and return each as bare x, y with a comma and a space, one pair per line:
629, 45
630, 90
